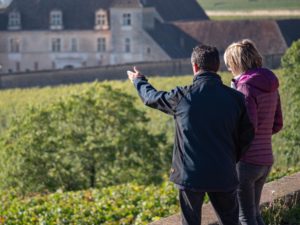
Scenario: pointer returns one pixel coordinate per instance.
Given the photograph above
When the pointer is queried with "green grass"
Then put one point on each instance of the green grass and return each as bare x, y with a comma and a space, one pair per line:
253, 17
279, 212
248, 5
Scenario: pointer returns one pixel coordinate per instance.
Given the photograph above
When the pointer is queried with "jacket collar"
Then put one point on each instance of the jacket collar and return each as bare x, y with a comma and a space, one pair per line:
206, 75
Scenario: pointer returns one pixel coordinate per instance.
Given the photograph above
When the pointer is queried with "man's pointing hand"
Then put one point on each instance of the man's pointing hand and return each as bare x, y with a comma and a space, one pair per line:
134, 74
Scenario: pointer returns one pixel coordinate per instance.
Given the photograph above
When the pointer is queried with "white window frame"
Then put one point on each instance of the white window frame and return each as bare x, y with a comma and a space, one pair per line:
56, 20
101, 44
14, 20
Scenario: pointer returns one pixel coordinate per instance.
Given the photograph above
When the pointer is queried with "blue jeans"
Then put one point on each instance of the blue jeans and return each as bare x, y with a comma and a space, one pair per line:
224, 203
252, 179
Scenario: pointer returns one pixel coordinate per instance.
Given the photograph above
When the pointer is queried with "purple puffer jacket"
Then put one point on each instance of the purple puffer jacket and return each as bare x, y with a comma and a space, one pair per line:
260, 87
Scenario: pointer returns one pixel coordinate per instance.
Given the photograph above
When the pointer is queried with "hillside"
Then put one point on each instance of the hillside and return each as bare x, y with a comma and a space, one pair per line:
130, 203
13, 102
249, 5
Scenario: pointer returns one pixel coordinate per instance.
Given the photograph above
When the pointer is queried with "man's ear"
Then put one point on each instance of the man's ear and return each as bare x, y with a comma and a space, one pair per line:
195, 68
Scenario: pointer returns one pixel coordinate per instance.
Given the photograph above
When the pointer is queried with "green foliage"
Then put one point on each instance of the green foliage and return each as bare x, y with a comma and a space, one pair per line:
248, 5
291, 135
280, 212
93, 138
291, 59
15, 102
128, 204
138, 204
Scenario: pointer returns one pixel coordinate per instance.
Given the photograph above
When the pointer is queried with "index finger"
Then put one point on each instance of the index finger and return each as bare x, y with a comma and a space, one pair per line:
135, 69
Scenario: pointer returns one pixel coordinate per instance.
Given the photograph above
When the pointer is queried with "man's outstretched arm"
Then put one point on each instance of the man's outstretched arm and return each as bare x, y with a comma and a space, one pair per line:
164, 101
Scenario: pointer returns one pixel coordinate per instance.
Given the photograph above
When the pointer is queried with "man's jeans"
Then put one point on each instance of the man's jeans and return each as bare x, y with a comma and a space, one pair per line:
224, 203
252, 179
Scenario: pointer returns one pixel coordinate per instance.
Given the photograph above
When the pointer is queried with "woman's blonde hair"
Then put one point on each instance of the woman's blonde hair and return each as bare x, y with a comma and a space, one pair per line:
242, 56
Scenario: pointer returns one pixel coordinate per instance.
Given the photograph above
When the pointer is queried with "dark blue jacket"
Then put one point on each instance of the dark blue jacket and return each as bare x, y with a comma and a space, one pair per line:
213, 130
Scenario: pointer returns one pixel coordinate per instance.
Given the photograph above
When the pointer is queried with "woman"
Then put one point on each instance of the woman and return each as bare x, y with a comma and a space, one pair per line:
260, 87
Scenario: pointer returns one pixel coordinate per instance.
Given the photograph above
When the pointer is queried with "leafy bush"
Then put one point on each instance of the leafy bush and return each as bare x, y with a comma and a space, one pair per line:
128, 204
291, 135
279, 212
90, 139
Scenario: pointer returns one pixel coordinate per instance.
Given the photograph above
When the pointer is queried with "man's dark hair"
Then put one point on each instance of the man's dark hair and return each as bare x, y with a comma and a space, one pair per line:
206, 57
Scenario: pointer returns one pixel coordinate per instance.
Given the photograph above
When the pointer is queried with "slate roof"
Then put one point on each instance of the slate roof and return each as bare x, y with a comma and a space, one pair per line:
79, 14
290, 30
172, 40
265, 33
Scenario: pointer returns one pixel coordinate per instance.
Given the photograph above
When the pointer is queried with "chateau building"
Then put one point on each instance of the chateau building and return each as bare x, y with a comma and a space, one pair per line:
57, 34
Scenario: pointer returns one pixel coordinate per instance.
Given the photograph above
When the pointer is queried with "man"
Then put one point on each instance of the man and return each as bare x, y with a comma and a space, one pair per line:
212, 132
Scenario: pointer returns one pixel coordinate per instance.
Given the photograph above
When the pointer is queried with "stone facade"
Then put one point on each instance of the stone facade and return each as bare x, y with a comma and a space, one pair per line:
57, 34
80, 48
142, 46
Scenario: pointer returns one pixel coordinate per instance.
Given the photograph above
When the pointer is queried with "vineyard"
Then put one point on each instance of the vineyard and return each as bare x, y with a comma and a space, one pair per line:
94, 154
248, 5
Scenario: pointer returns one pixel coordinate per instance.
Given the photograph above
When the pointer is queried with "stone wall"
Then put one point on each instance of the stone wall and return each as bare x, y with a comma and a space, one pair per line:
115, 72
118, 72
287, 189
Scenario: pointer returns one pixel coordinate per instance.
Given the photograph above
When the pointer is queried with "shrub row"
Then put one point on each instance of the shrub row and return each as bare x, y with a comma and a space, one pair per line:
128, 204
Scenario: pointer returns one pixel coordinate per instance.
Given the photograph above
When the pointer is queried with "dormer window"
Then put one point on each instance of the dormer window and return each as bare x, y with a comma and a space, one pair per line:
101, 20
56, 20
14, 21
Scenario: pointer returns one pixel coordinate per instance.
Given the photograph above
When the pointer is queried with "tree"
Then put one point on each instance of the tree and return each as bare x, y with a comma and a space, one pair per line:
90, 139
291, 67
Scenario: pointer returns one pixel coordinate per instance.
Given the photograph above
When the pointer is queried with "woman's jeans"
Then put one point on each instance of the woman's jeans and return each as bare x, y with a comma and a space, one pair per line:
252, 179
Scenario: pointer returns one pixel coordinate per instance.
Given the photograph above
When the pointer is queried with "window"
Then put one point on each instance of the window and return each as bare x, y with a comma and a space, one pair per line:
53, 65
127, 45
18, 66
148, 50
126, 19
15, 45
14, 21
56, 44
56, 19
74, 46
36, 66
101, 45
101, 20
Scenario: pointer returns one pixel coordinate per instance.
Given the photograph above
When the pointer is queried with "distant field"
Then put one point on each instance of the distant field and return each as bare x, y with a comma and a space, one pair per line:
253, 18
249, 4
